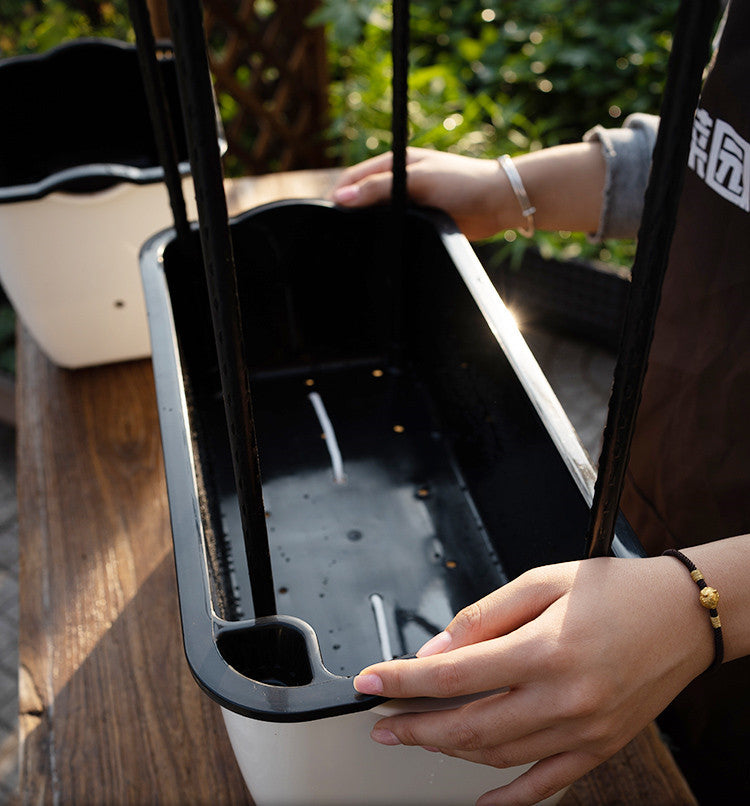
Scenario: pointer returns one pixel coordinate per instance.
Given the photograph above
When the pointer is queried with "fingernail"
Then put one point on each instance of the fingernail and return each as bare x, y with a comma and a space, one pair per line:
383, 736
346, 194
435, 645
368, 684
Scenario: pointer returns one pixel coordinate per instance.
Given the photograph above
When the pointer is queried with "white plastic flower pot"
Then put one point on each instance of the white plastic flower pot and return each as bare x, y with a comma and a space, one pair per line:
81, 189
334, 762
69, 264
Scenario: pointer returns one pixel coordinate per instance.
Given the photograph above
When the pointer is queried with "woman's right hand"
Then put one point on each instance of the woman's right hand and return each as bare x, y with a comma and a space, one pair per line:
574, 660
474, 192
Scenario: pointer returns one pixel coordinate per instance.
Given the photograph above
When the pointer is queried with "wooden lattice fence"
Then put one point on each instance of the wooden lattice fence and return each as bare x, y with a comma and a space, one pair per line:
271, 79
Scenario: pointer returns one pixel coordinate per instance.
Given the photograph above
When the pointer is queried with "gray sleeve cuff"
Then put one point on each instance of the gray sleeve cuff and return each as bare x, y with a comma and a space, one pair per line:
627, 153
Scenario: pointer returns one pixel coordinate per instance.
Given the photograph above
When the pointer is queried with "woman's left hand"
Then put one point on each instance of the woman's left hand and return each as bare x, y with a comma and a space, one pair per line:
588, 653
474, 192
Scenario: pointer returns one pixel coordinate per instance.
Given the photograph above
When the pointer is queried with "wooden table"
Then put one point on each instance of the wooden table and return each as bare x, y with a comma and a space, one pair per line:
109, 713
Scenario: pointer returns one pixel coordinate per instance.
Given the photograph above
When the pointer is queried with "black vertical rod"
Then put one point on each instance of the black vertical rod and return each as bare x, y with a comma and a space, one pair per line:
158, 107
196, 93
690, 54
399, 193
399, 113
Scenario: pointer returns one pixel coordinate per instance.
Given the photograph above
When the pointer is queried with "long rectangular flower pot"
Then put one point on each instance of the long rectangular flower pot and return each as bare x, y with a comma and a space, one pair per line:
413, 458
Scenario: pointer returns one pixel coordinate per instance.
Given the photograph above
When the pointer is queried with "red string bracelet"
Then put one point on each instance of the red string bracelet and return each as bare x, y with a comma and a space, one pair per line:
709, 598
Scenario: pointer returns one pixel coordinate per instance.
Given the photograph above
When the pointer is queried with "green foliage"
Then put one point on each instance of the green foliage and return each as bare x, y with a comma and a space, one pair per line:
488, 77
33, 26
346, 19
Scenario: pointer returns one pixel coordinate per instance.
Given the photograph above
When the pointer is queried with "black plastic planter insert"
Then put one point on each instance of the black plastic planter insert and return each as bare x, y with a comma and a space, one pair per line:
413, 456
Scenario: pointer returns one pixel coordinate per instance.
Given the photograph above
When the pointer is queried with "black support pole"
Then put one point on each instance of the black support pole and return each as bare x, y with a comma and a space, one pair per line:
399, 193
399, 112
196, 93
690, 53
161, 122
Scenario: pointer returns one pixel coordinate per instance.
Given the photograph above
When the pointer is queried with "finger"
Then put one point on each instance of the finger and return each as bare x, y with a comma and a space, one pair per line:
374, 189
542, 781
502, 611
374, 165
381, 164
473, 669
378, 164
506, 721
530, 749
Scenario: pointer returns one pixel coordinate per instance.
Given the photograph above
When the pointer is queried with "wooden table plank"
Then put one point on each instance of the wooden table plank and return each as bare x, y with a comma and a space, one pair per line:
7, 399
643, 772
247, 192
109, 712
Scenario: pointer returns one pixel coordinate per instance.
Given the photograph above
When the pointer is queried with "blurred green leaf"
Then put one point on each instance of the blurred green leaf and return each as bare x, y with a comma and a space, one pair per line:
346, 19
32, 26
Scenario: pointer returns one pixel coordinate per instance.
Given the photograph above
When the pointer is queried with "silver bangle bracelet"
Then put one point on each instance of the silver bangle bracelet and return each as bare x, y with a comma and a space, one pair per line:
527, 209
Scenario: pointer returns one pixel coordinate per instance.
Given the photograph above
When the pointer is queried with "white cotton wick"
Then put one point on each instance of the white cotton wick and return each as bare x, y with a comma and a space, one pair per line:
330, 437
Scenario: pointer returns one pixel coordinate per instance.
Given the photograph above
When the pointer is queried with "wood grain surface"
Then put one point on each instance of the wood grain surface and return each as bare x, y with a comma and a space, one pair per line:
109, 713
643, 772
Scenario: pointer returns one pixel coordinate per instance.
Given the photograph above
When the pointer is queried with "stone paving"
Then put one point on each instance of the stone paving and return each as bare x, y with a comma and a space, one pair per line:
579, 372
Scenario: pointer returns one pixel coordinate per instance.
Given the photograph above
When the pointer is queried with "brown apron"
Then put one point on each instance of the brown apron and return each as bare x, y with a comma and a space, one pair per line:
688, 480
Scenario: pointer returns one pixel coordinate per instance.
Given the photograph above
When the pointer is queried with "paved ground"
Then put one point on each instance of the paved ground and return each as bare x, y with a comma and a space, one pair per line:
579, 372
